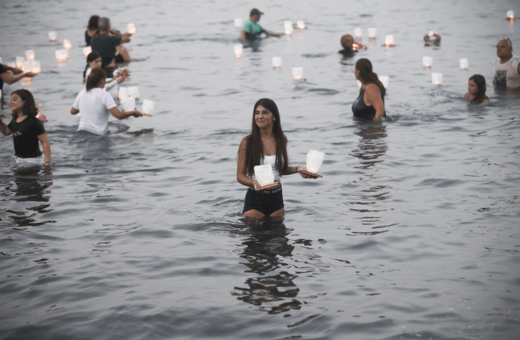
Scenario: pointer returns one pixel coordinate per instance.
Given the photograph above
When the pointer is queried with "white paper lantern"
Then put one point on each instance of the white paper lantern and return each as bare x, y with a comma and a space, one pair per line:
128, 104
264, 174
13, 65
131, 29
463, 63
148, 106
19, 62
359, 84
277, 62
53, 36
372, 33
67, 44
389, 40
36, 67
300, 24
427, 61
510, 14
62, 55
314, 160
239, 49
29, 54
133, 91
385, 80
87, 50
238, 23
297, 73
123, 93
288, 27
358, 33
437, 78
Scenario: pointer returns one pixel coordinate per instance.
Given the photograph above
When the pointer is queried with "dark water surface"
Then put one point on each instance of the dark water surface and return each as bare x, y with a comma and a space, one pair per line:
412, 233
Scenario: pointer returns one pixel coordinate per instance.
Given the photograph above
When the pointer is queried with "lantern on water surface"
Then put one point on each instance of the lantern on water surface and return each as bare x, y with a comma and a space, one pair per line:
133, 91
372, 33
19, 62
277, 62
67, 44
463, 63
131, 29
437, 78
288, 27
128, 104
427, 61
148, 106
358, 33
385, 80
510, 15
36, 67
53, 36
389, 41
62, 55
238, 23
29, 54
300, 24
297, 73
239, 49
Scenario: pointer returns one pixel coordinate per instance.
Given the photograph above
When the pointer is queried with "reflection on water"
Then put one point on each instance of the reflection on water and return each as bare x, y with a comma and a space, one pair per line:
372, 145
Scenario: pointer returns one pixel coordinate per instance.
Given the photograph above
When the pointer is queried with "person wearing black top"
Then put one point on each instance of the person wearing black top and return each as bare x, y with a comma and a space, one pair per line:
27, 130
92, 28
105, 44
370, 104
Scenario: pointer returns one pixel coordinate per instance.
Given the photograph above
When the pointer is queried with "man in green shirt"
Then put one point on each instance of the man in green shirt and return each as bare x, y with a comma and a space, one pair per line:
252, 29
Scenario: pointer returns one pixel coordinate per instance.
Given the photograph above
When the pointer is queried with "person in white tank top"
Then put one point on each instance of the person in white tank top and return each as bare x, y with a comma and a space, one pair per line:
506, 69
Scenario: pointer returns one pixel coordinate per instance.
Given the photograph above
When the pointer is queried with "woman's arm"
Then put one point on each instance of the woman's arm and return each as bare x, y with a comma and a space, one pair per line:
122, 115
46, 147
11, 80
4, 129
241, 168
272, 33
373, 97
74, 111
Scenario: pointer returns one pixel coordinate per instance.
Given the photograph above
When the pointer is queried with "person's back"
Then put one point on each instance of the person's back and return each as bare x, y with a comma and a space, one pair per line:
105, 44
94, 105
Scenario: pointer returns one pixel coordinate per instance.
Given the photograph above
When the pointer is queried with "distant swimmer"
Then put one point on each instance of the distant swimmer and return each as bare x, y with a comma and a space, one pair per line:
432, 38
506, 69
370, 104
7, 72
27, 130
96, 105
266, 144
252, 29
350, 46
477, 90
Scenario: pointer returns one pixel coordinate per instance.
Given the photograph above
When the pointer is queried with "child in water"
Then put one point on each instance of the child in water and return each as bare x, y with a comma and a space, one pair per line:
477, 90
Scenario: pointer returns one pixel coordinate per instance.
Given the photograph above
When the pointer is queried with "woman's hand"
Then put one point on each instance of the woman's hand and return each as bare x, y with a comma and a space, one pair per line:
300, 168
137, 114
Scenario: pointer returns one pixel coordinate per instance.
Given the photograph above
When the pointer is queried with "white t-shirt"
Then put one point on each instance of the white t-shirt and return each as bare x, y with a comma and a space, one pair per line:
506, 75
93, 107
111, 87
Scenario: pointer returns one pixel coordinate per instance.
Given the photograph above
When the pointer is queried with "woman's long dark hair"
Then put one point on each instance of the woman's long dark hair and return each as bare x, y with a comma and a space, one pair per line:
95, 77
93, 22
254, 146
90, 58
367, 76
29, 107
481, 85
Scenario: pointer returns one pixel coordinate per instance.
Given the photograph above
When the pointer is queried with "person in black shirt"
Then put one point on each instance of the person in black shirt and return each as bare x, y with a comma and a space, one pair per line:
7, 71
26, 129
92, 28
106, 45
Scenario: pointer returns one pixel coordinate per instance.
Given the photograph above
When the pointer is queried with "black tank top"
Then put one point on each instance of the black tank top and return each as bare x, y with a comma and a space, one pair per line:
361, 110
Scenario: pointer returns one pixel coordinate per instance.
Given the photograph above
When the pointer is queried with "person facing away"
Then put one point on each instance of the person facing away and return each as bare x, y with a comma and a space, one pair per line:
252, 29
477, 90
370, 104
27, 130
92, 28
506, 68
112, 85
106, 44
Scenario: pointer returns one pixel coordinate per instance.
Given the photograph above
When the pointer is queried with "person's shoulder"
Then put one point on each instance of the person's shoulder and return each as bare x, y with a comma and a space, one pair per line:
244, 141
372, 87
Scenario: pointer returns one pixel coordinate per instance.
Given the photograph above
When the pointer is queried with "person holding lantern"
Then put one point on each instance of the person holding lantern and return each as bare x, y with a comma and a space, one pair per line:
7, 72
350, 46
252, 29
108, 45
432, 38
506, 69
370, 104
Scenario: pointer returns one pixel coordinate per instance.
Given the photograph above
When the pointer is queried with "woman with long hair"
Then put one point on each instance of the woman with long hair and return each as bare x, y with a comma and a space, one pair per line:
27, 130
94, 61
370, 104
92, 28
96, 105
266, 144
477, 90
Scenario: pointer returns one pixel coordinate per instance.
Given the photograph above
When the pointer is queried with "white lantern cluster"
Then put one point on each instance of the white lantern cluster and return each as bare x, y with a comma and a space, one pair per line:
297, 73
31, 65
288, 27
372, 33
277, 62
52, 36
130, 28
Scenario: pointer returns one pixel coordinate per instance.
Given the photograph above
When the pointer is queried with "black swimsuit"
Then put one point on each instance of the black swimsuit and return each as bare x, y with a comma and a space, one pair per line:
361, 110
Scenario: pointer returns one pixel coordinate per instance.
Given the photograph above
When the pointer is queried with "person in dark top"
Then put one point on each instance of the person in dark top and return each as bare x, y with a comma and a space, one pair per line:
371, 101
92, 28
106, 44
6, 73
252, 29
350, 46
26, 129
477, 90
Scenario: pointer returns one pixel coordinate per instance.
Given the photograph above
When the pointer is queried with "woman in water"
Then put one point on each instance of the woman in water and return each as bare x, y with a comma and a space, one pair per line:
94, 61
92, 28
266, 144
477, 90
370, 104
96, 105
26, 129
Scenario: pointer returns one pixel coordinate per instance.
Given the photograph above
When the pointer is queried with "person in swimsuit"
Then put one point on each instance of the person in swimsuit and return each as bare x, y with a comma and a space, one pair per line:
370, 104
477, 90
266, 144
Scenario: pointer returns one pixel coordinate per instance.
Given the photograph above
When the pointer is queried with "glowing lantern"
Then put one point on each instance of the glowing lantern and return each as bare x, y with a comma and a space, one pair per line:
264, 174
463, 62
238, 23
133, 91
13, 65
437, 78
358, 33
19, 62
62, 55
389, 41
372, 33
427, 61
431, 34
148, 107
128, 104
87, 50
277, 62
239, 49
52, 36
288, 27
29, 54
297, 73
67, 44
385, 80
123, 93
36, 67
131, 29
510, 15
300, 24
314, 160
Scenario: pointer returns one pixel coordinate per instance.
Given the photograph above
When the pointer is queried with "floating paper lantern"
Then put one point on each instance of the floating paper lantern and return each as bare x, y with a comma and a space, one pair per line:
148, 106
239, 49
238, 23
358, 33
19, 62
264, 174
131, 29
29, 54
372, 33
277, 62
463, 62
62, 55
128, 104
300, 24
437, 78
510, 15
314, 160
26, 66
297, 73
123, 93
52, 36
36, 67
133, 91
67, 44
427, 61
389, 41
87, 50
385, 80
288, 27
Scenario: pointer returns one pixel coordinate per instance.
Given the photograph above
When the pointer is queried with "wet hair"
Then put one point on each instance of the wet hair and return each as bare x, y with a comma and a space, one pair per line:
344, 40
367, 76
103, 23
29, 107
254, 146
90, 58
93, 22
95, 77
481, 86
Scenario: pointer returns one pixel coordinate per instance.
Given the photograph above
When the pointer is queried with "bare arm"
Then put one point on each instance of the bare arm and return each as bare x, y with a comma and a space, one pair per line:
11, 80
241, 167
373, 97
125, 38
272, 33
243, 35
46, 147
13, 69
4, 129
74, 111
122, 115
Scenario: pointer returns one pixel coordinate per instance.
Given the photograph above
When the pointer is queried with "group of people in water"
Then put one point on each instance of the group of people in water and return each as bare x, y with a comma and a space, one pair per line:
266, 144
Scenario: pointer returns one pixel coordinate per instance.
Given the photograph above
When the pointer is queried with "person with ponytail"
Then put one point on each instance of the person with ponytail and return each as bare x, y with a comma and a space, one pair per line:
112, 85
370, 104
266, 144
96, 105
27, 130
477, 90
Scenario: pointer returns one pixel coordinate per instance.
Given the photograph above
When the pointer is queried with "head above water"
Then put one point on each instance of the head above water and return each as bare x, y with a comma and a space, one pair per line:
366, 75
93, 61
347, 41
93, 22
29, 106
480, 83
255, 14
504, 48
96, 78
104, 24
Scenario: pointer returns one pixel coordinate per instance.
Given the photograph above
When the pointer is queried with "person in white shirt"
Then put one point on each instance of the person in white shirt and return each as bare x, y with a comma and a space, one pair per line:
506, 69
112, 86
96, 105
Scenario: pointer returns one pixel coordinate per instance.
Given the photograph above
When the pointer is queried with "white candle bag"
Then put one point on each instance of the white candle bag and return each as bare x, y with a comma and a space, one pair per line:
264, 174
510, 14
52, 36
463, 63
437, 78
36, 67
123, 93
67, 44
427, 61
239, 49
62, 55
297, 73
131, 29
148, 106
372, 33
238, 23
385, 80
300, 24
358, 33
277, 62
314, 160
29, 54
133, 91
389, 40
288, 27
87, 50
19, 62
128, 104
